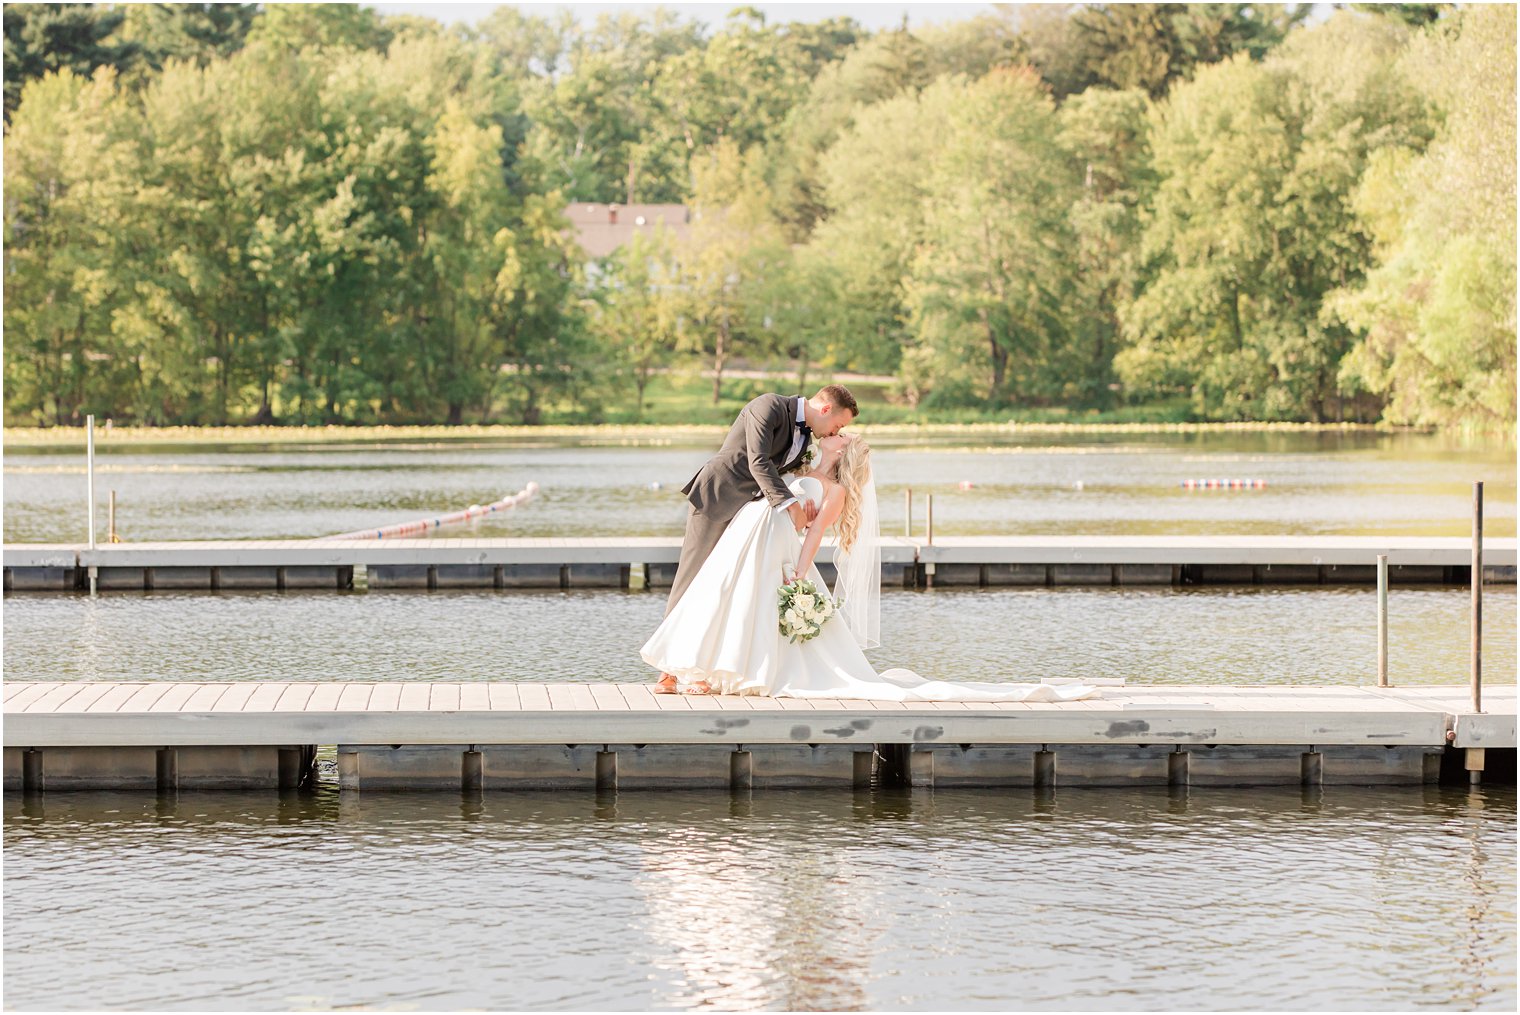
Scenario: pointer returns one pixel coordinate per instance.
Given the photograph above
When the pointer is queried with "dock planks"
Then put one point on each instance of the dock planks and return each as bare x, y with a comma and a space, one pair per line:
169, 713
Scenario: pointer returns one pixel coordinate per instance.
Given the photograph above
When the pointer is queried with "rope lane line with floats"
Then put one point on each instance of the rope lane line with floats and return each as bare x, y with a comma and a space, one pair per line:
421, 525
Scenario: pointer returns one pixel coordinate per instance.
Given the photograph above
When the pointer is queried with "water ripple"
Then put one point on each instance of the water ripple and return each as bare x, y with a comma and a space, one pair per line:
1267, 899
1264, 635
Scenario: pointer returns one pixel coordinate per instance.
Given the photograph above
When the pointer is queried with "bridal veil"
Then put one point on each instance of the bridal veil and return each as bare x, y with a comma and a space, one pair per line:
859, 573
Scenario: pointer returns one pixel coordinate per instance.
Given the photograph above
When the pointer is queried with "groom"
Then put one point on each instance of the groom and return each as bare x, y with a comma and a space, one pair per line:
768, 438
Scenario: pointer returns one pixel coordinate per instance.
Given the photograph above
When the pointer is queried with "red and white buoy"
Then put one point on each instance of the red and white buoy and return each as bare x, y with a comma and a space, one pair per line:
1224, 484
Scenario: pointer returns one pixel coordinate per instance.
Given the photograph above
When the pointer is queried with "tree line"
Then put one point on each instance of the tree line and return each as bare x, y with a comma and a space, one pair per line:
225, 213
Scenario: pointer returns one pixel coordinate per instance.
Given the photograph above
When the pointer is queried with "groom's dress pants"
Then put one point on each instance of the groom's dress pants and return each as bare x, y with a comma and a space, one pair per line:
702, 534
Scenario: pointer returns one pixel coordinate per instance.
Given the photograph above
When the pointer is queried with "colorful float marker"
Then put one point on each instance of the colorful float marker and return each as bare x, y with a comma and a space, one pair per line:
1224, 484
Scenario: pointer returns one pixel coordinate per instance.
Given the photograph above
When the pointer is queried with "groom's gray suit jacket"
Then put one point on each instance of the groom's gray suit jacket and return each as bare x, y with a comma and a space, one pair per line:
747, 467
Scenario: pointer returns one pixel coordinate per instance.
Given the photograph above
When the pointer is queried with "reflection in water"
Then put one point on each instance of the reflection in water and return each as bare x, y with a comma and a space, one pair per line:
1275, 899
737, 937
1483, 894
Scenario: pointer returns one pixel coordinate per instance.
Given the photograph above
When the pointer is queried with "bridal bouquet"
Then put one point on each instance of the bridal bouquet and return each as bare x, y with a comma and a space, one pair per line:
803, 610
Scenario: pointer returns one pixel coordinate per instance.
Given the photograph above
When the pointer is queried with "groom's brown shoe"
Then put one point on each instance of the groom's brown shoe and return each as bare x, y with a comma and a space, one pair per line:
667, 684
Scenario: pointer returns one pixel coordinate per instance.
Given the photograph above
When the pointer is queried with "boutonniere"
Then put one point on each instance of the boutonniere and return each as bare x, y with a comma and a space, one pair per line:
805, 461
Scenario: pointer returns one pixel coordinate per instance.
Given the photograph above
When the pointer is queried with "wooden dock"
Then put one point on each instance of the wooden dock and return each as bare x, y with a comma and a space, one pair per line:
500, 735
651, 562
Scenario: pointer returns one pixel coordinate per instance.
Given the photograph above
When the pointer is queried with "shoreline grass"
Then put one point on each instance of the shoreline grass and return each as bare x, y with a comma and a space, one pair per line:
680, 405
68, 436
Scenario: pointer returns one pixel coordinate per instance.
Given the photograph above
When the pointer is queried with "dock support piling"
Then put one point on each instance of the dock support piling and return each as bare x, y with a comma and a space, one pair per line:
471, 771
908, 512
1177, 769
606, 771
921, 769
929, 521
1474, 765
348, 770
865, 768
168, 770
1045, 769
1476, 668
31, 771
1382, 607
292, 764
1312, 768
741, 771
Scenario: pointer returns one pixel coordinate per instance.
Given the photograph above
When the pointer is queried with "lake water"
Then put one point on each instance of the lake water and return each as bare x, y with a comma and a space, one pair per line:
1335, 483
1341, 898
1201, 635
1370, 899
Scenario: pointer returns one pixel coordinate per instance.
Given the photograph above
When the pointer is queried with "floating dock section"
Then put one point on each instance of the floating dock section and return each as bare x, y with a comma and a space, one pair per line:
651, 562
485, 736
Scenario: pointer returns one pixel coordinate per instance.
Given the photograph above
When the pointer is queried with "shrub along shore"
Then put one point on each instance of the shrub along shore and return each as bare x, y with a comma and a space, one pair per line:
632, 433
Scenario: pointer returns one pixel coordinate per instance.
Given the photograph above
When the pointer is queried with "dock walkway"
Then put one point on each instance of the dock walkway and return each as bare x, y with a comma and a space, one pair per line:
161, 734
605, 562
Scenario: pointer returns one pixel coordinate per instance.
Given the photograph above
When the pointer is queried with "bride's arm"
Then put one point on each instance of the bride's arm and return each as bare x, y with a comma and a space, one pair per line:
833, 503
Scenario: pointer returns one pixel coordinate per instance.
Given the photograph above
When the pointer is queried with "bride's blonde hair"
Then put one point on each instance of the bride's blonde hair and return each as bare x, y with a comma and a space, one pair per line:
851, 470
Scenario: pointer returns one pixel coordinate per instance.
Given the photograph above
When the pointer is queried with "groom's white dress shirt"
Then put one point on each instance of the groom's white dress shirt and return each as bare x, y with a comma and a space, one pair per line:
796, 447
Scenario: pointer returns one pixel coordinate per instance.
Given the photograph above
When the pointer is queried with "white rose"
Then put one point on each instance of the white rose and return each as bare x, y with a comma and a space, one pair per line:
793, 621
826, 608
804, 602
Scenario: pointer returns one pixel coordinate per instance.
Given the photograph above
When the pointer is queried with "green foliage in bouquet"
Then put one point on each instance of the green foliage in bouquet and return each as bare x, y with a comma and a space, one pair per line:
803, 610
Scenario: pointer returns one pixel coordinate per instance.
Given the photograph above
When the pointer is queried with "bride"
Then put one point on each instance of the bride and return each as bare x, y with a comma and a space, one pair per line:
723, 635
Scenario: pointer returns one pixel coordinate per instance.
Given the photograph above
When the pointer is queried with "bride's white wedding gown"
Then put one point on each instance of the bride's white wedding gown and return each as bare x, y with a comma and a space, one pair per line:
724, 629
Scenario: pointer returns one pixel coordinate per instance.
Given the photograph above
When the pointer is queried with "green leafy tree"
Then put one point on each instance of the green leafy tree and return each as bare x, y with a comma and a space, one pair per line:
1253, 224
989, 286
875, 177
549, 351
1414, 15
737, 88
1145, 46
195, 32
70, 160
1056, 47
875, 69
526, 45
594, 115
297, 26
51, 37
1149, 46
732, 250
639, 308
1438, 309
217, 135
805, 310
1107, 136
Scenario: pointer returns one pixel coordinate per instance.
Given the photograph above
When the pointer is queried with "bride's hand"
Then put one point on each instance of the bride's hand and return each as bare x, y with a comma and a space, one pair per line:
798, 511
